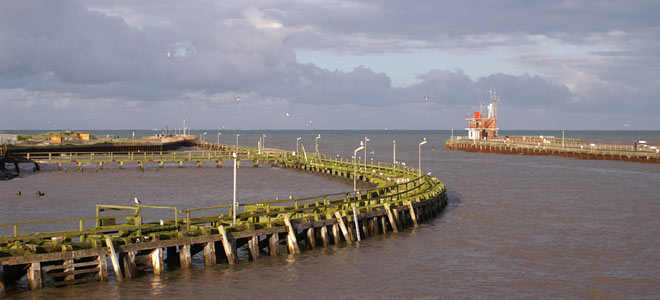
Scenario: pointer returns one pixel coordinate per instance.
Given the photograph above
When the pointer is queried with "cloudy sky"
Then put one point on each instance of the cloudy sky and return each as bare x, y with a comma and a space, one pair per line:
333, 64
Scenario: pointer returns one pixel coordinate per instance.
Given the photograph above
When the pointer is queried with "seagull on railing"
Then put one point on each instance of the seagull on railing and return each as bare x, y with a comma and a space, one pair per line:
137, 201
161, 222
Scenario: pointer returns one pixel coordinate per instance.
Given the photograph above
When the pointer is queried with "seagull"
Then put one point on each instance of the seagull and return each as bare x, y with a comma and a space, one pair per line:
426, 98
288, 115
625, 125
161, 222
137, 201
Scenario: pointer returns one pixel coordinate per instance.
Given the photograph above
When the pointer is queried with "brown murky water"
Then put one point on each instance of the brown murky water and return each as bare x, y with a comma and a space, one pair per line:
517, 227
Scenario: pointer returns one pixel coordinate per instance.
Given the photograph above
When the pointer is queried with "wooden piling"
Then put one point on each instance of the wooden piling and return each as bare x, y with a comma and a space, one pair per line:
344, 228
114, 259
121, 165
181, 164
100, 165
390, 216
184, 256
130, 269
34, 276
335, 233
413, 216
2, 280
311, 238
253, 247
291, 240
103, 267
274, 244
157, 260
218, 163
324, 235
209, 254
229, 244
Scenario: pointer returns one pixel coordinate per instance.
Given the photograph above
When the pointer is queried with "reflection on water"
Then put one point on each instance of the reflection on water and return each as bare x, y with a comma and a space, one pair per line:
516, 227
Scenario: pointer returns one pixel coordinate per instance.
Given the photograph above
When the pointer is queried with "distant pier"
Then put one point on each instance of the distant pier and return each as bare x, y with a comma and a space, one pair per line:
573, 148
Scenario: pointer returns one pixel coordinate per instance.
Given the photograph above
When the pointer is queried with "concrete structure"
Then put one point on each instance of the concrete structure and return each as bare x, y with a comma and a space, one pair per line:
8, 138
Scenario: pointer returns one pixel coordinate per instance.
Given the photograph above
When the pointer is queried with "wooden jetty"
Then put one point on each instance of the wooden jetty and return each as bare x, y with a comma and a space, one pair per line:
216, 153
555, 146
116, 244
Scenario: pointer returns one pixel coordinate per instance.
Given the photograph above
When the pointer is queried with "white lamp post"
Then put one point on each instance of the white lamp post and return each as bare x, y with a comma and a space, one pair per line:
263, 141
419, 169
355, 165
316, 145
204, 139
393, 153
355, 219
366, 139
297, 140
237, 135
219, 133
234, 202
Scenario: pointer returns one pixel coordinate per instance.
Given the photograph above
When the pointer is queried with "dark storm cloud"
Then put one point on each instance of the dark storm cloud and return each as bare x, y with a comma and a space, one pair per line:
118, 50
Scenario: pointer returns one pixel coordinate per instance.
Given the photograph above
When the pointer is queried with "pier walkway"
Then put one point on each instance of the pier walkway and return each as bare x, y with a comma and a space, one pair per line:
116, 244
555, 146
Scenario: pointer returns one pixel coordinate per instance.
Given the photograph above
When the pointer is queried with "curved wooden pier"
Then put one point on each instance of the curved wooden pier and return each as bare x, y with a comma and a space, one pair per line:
400, 199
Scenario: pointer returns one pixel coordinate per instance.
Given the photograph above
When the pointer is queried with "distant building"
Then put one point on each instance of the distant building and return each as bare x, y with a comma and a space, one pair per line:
481, 126
56, 139
82, 135
8, 138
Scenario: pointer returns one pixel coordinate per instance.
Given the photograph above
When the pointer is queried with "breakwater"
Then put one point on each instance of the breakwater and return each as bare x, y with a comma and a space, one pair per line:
119, 246
555, 147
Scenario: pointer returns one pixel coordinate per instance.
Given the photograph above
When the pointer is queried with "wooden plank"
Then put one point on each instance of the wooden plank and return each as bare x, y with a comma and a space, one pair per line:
114, 259
184, 257
344, 229
24, 260
291, 239
76, 281
71, 274
75, 265
229, 244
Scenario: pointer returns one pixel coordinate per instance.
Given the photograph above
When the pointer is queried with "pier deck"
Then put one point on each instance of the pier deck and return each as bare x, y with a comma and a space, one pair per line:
79, 254
554, 146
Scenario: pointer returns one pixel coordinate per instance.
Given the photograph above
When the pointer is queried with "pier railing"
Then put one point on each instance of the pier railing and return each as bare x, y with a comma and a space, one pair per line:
395, 185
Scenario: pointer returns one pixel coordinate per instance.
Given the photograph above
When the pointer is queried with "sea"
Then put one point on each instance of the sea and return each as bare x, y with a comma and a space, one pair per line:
516, 227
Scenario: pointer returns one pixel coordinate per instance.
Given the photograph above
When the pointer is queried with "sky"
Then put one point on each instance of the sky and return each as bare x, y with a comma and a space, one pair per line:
310, 64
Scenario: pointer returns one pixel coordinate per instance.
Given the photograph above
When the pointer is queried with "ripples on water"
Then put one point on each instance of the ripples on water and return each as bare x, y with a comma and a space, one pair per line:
516, 227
